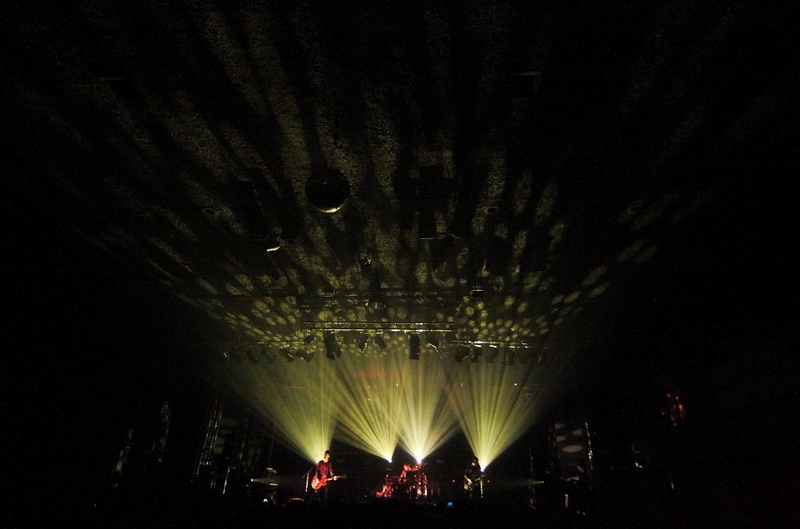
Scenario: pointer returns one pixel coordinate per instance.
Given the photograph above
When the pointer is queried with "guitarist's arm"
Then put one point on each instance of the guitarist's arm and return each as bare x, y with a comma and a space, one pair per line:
470, 482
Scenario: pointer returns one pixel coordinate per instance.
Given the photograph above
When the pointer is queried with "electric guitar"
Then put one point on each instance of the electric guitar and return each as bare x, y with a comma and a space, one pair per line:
318, 483
470, 484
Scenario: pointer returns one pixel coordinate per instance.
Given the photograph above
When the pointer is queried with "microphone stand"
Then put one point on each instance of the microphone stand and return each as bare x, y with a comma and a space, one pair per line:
308, 476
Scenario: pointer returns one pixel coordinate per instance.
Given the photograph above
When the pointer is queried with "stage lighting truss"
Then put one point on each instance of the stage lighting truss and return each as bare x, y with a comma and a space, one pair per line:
443, 340
376, 327
490, 351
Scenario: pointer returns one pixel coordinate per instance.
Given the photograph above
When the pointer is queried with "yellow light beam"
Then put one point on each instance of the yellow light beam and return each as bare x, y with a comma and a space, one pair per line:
369, 403
425, 420
492, 408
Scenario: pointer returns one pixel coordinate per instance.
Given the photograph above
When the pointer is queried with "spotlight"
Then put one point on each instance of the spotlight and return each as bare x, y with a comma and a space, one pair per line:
432, 340
477, 350
361, 341
491, 354
413, 346
380, 341
332, 348
287, 354
305, 355
509, 357
461, 352
308, 339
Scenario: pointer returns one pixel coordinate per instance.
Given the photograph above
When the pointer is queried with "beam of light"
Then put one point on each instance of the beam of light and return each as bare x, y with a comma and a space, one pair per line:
369, 403
492, 406
378, 399
426, 423
307, 414
300, 398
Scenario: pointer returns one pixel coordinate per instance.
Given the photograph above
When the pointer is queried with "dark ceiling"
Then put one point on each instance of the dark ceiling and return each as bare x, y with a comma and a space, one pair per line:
595, 186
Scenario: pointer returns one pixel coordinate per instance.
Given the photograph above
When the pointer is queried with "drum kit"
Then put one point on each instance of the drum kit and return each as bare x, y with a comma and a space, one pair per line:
411, 483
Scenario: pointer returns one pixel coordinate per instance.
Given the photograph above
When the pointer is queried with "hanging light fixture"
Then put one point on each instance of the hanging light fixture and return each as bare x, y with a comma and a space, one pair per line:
460, 352
413, 346
477, 351
509, 357
332, 348
491, 353
432, 339
287, 354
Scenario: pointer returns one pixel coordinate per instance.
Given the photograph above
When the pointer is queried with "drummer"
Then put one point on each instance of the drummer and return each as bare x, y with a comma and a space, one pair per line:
408, 472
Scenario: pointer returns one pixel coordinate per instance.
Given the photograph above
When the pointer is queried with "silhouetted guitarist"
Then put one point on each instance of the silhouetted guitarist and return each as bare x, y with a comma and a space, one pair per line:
473, 477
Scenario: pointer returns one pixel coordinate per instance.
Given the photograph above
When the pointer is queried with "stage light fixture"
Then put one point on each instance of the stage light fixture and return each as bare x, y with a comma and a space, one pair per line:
287, 354
477, 351
413, 346
491, 353
361, 341
305, 355
308, 339
380, 341
332, 348
460, 352
433, 340
509, 357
